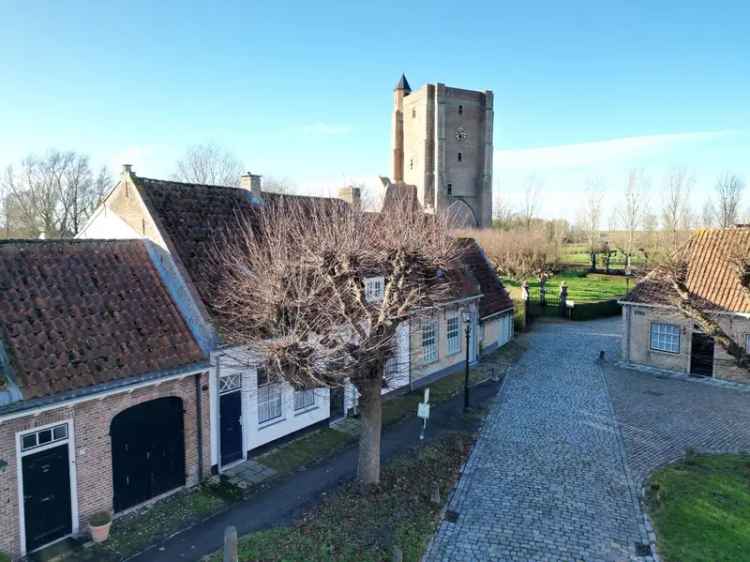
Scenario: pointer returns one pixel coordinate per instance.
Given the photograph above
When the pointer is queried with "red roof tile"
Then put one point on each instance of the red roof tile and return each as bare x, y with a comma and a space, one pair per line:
494, 296
711, 276
78, 313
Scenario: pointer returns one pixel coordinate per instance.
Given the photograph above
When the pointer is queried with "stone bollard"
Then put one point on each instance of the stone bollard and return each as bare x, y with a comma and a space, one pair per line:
435, 498
230, 544
563, 300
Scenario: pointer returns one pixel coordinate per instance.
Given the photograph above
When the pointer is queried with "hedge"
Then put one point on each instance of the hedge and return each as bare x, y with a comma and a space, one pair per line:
592, 310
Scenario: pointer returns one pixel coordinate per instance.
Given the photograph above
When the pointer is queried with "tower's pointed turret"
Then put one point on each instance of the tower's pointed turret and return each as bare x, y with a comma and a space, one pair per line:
403, 84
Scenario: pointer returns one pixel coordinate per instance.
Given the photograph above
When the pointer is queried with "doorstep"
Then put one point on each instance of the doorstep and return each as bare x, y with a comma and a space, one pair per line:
248, 473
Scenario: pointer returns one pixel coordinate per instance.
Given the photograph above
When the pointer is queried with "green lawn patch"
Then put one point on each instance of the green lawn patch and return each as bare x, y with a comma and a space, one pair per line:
305, 450
135, 531
363, 526
582, 288
700, 508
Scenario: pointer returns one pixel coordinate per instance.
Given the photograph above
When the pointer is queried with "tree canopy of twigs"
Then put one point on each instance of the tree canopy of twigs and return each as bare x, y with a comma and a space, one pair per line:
209, 164
295, 292
729, 190
519, 255
50, 196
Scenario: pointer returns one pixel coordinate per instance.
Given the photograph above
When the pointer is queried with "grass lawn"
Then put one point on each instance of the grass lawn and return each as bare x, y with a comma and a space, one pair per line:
590, 288
133, 532
700, 508
364, 526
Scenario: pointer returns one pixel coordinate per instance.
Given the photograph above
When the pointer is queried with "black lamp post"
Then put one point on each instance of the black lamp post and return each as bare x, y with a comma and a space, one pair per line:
467, 322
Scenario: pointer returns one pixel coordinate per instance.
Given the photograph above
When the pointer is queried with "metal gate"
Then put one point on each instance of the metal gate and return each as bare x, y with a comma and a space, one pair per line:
148, 451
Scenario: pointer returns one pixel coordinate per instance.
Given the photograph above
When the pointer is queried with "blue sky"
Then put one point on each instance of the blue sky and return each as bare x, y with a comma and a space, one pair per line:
303, 89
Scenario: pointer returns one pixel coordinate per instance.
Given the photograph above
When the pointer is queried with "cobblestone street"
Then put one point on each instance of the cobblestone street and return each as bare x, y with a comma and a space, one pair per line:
557, 471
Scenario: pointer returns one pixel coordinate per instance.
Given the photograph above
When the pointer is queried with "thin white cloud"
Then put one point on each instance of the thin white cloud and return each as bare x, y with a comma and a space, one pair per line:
590, 153
326, 129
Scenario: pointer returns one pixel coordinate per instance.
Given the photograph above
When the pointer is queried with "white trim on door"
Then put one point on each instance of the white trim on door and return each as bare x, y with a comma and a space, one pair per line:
70, 439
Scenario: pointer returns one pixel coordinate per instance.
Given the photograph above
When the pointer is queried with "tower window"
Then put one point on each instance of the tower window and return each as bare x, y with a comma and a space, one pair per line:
450, 189
460, 156
460, 109
413, 113
411, 164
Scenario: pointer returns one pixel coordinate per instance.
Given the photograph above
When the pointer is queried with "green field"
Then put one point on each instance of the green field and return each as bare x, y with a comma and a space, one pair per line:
700, 508
591, 287
577, 255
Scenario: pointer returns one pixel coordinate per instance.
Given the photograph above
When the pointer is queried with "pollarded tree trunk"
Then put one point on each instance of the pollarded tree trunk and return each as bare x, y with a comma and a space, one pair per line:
371, 415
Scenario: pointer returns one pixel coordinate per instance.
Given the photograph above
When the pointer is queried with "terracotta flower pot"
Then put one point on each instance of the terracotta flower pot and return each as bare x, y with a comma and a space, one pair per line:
99, 526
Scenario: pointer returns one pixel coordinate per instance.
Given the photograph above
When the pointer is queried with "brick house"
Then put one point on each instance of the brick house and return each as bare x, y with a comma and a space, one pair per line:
185, 222
657, 334
91, 346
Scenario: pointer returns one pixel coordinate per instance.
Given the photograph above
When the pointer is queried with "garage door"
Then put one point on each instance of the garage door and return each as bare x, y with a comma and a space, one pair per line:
148, 451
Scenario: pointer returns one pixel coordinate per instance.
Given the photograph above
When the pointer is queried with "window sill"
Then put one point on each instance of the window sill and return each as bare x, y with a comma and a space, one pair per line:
303, 411
271, 422
652, 350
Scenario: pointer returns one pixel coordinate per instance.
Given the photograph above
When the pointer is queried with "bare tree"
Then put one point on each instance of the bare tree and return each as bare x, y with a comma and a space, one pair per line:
531, 203
51, 196
502, 213
295, 292
708, 214
519, 256
675, 215
632, 212
729, 190
590, 217
209, 164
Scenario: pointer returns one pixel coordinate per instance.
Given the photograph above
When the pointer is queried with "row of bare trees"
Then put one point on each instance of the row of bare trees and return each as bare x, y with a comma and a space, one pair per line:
50, 196
635, 226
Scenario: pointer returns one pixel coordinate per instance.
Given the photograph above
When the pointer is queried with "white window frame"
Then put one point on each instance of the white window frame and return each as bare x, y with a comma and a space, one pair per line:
747, 343
454, 339
374, 289
20, 454
664, 337
270, 400
304, 399
429, 331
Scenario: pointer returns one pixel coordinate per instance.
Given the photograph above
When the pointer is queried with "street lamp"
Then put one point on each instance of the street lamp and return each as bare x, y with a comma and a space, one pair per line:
467, 323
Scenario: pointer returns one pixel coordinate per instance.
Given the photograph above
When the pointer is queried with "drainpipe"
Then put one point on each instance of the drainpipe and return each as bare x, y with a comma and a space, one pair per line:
199, 424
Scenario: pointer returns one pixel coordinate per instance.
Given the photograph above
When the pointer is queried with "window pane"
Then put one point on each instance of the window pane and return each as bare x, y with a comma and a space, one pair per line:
60, 432
45, 436
29, 441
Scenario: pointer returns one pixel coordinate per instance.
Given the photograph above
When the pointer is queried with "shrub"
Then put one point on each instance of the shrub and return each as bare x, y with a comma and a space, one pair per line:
100, 518
592, 310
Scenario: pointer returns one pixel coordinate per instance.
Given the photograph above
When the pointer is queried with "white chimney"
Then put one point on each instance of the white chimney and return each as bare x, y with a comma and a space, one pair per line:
251, 182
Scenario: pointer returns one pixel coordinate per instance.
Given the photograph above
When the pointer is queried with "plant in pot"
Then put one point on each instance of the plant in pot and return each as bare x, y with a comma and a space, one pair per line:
99, 525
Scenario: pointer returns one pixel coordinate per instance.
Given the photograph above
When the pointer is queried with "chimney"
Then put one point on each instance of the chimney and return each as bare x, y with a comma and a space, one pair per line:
352, 195
251, 182
127, 170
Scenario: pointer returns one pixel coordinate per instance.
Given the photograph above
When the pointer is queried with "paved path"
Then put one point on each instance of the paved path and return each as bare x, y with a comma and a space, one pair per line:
282, 502
662, 417
547, 479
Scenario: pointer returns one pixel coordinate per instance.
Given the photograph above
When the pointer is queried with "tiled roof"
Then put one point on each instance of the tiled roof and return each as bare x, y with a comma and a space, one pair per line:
494, 296
196, 218
78, 313
711, 277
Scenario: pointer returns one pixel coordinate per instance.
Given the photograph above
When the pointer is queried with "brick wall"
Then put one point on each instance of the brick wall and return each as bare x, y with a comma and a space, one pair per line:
637, 347
93, 453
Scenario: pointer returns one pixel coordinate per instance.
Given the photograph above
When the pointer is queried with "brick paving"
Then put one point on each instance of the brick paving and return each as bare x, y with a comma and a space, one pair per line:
661, 417
547, 479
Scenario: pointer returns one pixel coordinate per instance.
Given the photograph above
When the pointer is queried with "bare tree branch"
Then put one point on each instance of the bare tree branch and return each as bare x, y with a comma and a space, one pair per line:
209, 164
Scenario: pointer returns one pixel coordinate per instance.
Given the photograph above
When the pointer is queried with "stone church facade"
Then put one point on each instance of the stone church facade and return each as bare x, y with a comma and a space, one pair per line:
442, 144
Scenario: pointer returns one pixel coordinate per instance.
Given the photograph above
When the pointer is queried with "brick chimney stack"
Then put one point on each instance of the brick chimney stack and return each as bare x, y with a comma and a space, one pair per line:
352, 195
251, 182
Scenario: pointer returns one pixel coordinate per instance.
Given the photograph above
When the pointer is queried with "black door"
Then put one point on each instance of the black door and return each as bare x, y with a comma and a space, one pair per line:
230, 414
337, 403
148, 451
702, 356
46, 496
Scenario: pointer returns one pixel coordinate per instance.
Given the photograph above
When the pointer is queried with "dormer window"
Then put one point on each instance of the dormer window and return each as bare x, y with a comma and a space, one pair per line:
374, 289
